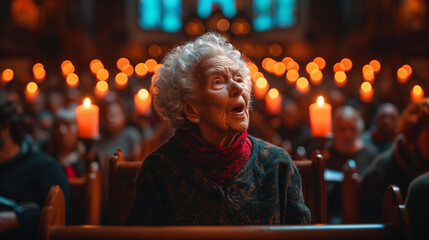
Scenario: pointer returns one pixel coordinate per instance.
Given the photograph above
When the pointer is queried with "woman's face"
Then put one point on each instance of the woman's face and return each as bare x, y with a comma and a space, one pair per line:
114, 119
222, 104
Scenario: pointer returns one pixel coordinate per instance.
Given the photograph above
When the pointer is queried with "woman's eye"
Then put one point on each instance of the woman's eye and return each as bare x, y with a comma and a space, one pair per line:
217, 81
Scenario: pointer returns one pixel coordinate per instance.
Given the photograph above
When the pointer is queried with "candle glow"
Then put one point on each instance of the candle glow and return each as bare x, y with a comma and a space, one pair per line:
87, 116
366, 92
417, 93
273, 102
320, 118
31, 92
143, 102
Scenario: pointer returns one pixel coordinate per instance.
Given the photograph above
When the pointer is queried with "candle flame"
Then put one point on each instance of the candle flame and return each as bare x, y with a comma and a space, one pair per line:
143, 93
320, 101
302, 83
273, 93
102, 86
87, 102
7, 75
32, 87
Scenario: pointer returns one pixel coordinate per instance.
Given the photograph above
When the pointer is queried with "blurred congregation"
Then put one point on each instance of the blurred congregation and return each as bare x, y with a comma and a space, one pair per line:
345, 82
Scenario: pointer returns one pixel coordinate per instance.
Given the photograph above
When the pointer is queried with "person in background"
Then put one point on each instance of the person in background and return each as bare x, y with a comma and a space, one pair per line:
26, 176
294, 129
64, 144
347, 127
407, 159
211, 172
417, 203
115, 133
382, 134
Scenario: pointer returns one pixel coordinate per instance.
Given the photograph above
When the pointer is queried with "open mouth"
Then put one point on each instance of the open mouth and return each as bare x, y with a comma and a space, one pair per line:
238, 109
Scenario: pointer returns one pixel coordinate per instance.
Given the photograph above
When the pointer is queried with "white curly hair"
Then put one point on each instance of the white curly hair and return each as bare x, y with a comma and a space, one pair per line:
175, 82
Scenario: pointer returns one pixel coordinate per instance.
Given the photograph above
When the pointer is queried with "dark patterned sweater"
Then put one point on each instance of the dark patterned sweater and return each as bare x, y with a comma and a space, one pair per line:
169, 191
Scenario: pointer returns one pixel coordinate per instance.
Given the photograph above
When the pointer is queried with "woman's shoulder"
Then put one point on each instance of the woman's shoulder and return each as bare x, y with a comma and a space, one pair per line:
166, 153
268, 151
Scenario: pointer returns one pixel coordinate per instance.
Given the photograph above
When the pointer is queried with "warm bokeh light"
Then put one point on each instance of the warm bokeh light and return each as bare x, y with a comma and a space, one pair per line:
143, 93
32, 87
240, 27
72, 80
279, 69
368, 75
101, 89
151, 63
261, 82
292, 65
408, 68
252, 68
320, 62
375, 64
63, 63
348, 64
264, 62
155, 50
128, 69
417, 93
67, 68
121, 80
311, 66
121, 62
87, 102
286, 60
95, 66
339, 67
7, 75
340, 78
39, 74
223, 24
141, 69
316, 77
102, 75
273, 93
292, 76
261, 88
38, 65
195, 28
302, 85
402, 75
367, 67
275, 50
257, 75
269, 65
366, 92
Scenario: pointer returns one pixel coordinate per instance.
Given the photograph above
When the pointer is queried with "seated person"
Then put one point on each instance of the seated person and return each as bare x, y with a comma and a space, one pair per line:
417, 203
64, 144
115, 133
347, 126
26, 176
211, 172
407, 159
382, 134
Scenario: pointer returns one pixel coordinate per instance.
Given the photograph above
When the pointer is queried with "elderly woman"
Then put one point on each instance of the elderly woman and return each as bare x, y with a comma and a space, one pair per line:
211, 171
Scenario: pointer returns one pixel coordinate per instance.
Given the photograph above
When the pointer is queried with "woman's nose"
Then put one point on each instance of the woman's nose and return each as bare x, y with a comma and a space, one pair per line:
236, 88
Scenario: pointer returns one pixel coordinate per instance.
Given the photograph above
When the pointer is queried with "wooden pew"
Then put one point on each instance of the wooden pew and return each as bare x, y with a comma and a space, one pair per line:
313, 186
122, 176
394, 227
85, 197
122, 188
53, 213
350, 193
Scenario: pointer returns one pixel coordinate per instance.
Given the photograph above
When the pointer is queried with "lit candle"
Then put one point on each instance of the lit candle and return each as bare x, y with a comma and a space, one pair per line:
261, 88
273, 102
143, 102
417, 93
101, 89
366, 92
31, 92
403, 75
340, 79
320, 118
87, 120
7, 75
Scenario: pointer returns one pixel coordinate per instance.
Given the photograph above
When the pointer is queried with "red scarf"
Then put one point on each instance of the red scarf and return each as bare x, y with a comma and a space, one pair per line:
220, 164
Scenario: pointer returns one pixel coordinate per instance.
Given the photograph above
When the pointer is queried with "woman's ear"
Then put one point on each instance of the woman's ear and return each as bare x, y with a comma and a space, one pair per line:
191, 112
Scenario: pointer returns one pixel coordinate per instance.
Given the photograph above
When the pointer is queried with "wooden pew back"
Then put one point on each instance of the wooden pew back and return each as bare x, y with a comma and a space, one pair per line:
53, 213
350, 193
86, 196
